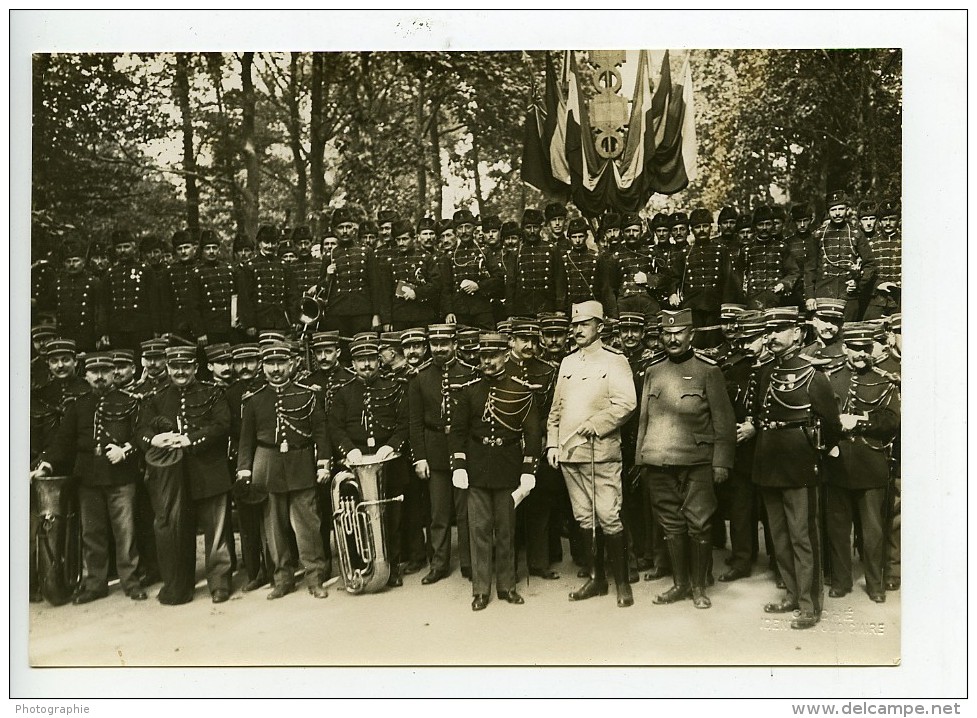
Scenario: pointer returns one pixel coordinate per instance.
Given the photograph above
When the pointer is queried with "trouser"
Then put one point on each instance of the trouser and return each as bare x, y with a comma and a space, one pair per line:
683, 498
893, 568
323, 494
254, 545
595, 495
491, 525
446, 501
414, 517
295, 510
539, 511
212, 517
393, 514
740, 498
108, 511
176, 545
633, 512
870, 504
793, 517
145, 535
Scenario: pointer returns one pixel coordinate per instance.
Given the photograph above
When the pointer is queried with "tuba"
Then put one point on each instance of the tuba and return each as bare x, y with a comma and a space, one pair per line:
58, 538
358, 499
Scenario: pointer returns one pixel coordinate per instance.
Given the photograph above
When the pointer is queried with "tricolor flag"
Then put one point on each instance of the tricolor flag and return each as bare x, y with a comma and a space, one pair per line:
659, 153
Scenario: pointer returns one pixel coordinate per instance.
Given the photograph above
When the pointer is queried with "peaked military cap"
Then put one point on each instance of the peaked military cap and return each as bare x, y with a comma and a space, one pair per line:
267, 336
123, 356
468, 339
492, 343
153, 348
582, 311
98, 360
859, 333
181, 355
276, 350
325, 339
554, 322
413, 335
248, 350
731, 310
528, 328
635, 320
504, 327
829, 307
675, 321
895, 323
59, 346
779, 317
365, 344
220, 352
441, 331
42, 332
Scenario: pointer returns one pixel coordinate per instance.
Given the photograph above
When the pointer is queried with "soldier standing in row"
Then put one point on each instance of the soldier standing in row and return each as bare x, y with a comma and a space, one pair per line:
769, 269
536, 282
368, 416
886, 296
796, 415
179, 285
285, 448
593, 398
470, 279
494, 441
261, 299
636, 281
411, 281
75, 298
96, 436
185, 426
859, 479
432, 396
302, 274
686, 440
580, 266
216, 286
130, 297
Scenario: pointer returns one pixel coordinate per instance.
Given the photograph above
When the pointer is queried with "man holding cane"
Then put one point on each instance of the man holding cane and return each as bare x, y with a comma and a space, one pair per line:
594, 396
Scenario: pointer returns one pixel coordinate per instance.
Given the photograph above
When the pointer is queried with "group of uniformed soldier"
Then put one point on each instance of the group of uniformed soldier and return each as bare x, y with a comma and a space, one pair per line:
751, 375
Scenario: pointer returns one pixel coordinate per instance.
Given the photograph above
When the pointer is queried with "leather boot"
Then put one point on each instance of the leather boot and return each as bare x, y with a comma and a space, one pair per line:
597, 582
699, 554
678, 552
617, 552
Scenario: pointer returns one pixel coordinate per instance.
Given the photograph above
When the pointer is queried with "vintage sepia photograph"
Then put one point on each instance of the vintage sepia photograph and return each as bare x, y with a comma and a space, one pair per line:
415, 350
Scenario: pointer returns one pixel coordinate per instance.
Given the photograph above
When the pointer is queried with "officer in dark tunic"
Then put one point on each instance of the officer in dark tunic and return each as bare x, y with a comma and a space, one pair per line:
302, 274
410, 279
285, 449
536, 282
796, 415
369, 416
184, 429
350, 282
495, 439
770, 270
74, 298
635, 280
97, 437
432, 395
216, 286
261, 297
555, 215
798, 240
858, 480
470, 278
840, 263
580, 267
886, 295
179, 289
130, 297
729, 240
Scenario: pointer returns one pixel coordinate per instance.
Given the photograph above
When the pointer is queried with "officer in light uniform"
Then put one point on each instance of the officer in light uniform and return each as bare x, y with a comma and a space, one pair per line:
594, 396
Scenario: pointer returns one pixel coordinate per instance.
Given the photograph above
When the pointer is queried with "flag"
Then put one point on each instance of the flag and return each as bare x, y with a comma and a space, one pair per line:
541, 168
673, 163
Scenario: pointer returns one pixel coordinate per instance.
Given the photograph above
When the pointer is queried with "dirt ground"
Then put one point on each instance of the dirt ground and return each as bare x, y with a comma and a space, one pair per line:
419, 625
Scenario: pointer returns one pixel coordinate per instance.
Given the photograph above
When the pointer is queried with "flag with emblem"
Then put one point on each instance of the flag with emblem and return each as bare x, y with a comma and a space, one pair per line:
541, 167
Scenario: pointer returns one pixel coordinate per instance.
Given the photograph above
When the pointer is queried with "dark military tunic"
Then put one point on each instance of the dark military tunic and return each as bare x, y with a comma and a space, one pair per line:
130, 303
767, 265
468, 261
216, 284
835, 254
48, 405
537, 282
580, 270
77, 311
418, 270
432, 396
261, 301
327, 383
354, 288
180, 299
625, 294
299, 277
368, 416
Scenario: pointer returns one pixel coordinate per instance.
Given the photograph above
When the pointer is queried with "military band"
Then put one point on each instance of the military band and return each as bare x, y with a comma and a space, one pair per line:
782, 412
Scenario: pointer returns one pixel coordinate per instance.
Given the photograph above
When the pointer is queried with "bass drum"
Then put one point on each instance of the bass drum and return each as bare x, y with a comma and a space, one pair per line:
54, 504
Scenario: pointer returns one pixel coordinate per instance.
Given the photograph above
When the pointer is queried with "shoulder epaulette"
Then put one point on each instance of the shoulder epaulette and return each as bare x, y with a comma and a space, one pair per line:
252, 392
425, 364
656, 360
814, 361
302, 385
705, 358
764, 361
612, 350
473, 380
132, 394
891, 376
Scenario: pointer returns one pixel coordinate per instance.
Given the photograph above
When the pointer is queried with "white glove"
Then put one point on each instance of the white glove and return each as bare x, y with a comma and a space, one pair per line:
848, 421
527, 482
114, 453
674, 300
384, 451
887, 286
355, 456
779, 288
422, 469
640, 278
409, 293
331, 269
322, 475
43, 469
745, 431
459, 478
469, 286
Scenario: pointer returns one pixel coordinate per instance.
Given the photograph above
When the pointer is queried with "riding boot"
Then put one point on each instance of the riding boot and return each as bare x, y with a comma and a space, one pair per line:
617, 552
597, 582
678, 552
700, 552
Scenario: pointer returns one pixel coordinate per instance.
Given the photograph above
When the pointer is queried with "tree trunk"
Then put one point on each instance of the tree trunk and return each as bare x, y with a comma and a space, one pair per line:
249, 149
223, 145
295, 138
42, 61
181, 87
478, 179
421, 203
436, 163
316, 139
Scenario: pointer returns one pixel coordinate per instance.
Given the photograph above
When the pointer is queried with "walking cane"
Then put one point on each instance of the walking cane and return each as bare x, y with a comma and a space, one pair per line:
593, 512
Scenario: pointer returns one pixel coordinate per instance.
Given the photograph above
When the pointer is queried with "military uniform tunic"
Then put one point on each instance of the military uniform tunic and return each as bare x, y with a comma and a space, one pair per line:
418, 270
625, 294
261, 302
468, 261
767, 265
354, 288
300, 276
216, 285
537, 282
77, 313
179, 290
130, 304
835, 254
